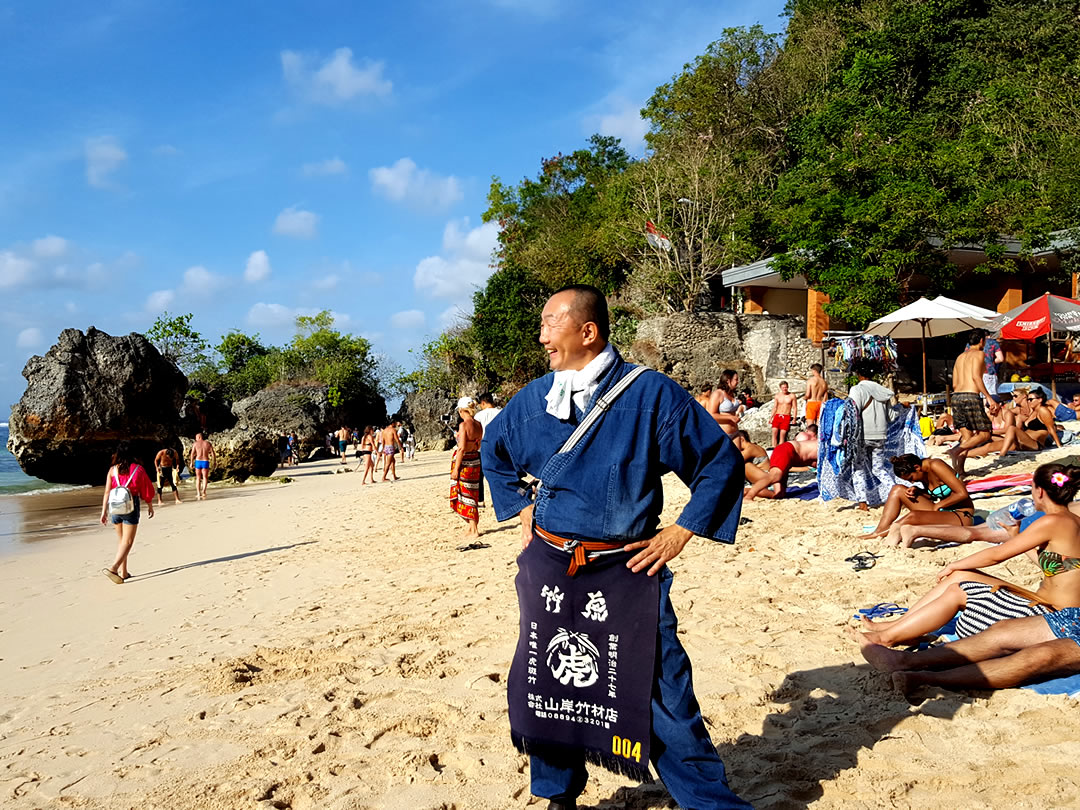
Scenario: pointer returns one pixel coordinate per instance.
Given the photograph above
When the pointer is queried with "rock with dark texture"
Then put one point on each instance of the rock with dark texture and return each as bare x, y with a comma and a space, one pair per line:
88, 393
305, 409
240, 453
423, 410
211, 414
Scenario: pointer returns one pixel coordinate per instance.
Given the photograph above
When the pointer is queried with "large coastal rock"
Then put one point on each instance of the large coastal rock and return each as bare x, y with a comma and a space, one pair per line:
89, 392
240, 453
423, 410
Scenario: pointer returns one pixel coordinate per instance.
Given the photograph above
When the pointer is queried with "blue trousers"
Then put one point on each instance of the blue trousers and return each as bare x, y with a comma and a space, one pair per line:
681, 750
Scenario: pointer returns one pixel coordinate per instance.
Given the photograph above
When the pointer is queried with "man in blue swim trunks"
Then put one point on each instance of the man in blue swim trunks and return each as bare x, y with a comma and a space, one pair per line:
1009, 653
202, 453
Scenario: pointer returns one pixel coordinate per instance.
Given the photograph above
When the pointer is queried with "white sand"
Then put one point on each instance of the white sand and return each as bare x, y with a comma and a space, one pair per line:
322, 645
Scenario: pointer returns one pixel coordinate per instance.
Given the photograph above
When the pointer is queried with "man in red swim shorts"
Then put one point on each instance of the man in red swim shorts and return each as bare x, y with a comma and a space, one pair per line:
783, 459
783, 405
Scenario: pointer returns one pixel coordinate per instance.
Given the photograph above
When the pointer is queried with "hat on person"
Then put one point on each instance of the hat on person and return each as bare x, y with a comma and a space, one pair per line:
463, 403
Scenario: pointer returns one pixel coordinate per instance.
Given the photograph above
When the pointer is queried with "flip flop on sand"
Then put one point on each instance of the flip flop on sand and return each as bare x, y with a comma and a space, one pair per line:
863, 561
115, 577
879, 611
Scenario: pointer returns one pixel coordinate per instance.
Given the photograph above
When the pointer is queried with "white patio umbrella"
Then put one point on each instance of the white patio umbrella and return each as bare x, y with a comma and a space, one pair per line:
966, 308
925, 318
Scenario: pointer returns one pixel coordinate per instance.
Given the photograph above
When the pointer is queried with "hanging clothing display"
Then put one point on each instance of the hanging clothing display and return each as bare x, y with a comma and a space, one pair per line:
881, 350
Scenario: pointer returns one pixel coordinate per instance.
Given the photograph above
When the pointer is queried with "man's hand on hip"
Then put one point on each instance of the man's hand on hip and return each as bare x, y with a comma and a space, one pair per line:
526, 526
657, 551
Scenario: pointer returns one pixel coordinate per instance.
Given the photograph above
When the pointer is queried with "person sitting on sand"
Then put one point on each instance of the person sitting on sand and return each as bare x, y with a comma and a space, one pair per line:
783, 459
465, 472
943, 432
723, 404
783, 409
984, 599
941, 492
124, 472
983, 533
807, 433
1010, 653
1034, 432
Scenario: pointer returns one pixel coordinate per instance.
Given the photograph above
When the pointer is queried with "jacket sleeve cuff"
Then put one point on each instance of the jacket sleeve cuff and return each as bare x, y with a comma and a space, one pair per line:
505, 511
702, 530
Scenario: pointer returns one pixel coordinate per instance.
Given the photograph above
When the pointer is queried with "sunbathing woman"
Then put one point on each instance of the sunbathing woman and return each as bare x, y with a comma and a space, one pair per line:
1038, 431
723, 404
943, 492
984, 599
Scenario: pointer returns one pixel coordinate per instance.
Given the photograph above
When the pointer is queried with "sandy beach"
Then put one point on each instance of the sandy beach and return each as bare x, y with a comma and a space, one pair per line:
321, 645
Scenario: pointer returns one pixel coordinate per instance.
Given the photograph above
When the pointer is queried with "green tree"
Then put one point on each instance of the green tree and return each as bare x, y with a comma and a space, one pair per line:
506, 326
178, 342
237, 349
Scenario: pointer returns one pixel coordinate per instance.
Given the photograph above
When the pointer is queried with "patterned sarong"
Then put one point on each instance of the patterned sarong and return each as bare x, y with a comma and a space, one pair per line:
582, 675
465, 492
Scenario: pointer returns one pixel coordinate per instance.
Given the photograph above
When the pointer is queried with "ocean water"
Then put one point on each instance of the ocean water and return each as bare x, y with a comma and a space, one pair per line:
13, 481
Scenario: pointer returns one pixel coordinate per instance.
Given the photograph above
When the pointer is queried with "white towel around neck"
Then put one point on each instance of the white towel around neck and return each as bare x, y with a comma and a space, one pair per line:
578, 385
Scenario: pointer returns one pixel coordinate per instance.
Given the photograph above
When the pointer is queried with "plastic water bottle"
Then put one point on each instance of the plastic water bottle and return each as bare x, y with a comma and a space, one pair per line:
1011, 514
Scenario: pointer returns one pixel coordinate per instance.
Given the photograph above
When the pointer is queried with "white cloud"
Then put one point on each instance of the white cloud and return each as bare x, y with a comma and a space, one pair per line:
199, 280
29, 338
325, 168
14, 270
103, 157
50, 247
326, 282
622, 119
277, 315
159, 301
297, 223
404, 182
257, 268
409, 319
336, 80
464, 264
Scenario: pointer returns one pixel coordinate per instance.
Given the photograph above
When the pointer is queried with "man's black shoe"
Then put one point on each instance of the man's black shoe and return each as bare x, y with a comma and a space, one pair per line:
561, 806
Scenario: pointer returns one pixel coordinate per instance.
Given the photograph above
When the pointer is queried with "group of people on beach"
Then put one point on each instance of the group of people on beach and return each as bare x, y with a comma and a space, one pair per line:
377, 448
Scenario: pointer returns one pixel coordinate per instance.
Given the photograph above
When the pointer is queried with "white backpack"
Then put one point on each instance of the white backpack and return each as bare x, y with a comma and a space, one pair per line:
121, 501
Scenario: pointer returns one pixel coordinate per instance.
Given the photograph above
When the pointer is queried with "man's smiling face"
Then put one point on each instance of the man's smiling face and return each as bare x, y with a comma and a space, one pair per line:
561, 335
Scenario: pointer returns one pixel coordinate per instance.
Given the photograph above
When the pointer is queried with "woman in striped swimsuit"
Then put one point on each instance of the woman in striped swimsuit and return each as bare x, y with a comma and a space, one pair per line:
983, 599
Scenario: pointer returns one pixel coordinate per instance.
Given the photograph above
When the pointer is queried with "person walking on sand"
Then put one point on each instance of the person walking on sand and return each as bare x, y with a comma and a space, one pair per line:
126, 485
365, 454
343, 444
168, 472
391, 446
465, 471
597, 625
202, 454
968, 414
783, 406
817, 390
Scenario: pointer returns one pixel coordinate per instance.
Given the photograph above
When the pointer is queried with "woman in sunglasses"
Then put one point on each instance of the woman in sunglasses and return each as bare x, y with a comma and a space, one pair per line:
1037, 431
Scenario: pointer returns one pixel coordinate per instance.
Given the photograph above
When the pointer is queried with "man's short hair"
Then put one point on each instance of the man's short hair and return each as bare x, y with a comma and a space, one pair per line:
486, 398
783, 382
589, 306
975, 336
817, 367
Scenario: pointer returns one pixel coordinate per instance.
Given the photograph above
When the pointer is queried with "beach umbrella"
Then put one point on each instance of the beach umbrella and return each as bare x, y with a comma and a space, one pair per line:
969, 310
1037, 317
925, 318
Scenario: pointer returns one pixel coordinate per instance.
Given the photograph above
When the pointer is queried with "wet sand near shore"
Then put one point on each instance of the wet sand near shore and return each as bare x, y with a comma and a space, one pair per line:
325, 645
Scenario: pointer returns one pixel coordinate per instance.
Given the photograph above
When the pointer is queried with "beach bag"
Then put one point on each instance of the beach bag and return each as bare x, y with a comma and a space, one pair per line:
121, 501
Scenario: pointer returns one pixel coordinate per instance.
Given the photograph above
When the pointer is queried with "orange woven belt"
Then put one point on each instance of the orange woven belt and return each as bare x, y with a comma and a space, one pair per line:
578, 549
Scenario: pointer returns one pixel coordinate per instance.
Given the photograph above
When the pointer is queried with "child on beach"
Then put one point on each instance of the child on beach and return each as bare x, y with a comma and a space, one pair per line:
984, 599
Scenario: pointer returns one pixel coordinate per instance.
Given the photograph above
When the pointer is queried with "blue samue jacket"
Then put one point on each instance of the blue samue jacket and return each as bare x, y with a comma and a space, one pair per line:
608, 487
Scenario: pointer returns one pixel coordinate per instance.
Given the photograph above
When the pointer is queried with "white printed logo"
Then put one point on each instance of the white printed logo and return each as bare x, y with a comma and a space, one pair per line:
552, 596
573, 658
596, 608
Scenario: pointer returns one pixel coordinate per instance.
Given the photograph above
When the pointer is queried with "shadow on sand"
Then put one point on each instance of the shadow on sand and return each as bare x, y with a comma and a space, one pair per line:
828, 715
173, 569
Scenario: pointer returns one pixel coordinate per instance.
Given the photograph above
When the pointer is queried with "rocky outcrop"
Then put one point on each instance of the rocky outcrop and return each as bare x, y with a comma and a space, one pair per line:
209, 413
88, 393
423, 410
240, 453
693, 348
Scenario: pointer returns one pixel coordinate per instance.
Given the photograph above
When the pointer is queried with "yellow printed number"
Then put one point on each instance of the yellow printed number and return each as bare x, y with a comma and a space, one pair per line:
622, 747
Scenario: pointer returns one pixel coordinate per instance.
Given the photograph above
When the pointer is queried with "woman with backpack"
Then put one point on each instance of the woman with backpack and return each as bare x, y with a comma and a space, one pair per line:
125, 485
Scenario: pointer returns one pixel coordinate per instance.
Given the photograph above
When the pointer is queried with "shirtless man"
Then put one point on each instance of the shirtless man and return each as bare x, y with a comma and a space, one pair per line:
342, 443
391, 445
783, 405
816, 392
785, 457
202, 453
166, 464
968, 414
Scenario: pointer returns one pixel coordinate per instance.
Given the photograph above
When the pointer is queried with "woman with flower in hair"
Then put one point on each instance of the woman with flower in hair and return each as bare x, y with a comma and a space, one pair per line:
1051, 535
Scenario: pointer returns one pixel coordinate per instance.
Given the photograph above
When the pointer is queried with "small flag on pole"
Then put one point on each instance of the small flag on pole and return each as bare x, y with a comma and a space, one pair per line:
656, 239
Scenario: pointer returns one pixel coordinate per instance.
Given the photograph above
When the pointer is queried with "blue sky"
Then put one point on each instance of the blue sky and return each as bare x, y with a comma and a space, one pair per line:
248, 162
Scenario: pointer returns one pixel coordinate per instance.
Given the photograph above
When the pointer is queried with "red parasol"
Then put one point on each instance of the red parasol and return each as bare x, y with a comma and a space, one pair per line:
1038, 317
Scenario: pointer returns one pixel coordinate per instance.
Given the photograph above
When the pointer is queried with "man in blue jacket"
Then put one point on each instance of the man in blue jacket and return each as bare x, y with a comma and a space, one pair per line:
599, 673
